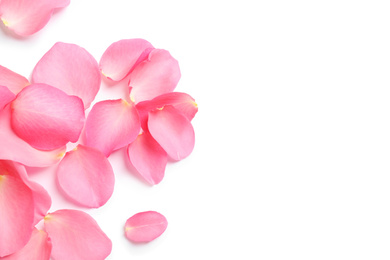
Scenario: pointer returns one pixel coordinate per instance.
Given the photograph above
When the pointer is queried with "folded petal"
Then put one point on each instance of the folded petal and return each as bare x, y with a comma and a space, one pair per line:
145, 226
122, 56
70, 68
46, 117
17, 214
13, 81
111, 125
14, 148
172, 131
86, 176
76, 235
148, 158
37, 248
156, 75
26, 17
6, 96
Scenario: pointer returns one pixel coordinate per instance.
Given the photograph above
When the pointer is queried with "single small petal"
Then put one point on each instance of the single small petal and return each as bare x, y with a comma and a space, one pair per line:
16, 214
46, 117
111, 125
122, 56
38, 248
148, 158
172, 131
76, 235
156, 75
15, 149
12, 80
86, 176
145, 226
70, 68
6, 96
26, 17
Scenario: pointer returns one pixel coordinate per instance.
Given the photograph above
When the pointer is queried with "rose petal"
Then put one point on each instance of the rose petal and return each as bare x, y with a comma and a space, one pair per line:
13, 81
37, 248
6, 96
70, 68
145, 226
122, 56
86, 176
76, 235
17, 214
46, 117
26, 17
148, 158
156, 75
111, 125
15, 149
172, 131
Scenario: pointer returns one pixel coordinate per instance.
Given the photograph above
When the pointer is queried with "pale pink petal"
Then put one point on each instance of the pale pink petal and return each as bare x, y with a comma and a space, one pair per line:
75, 235
15, 149
86, 176
156, 75
70, 68
38, 248
148, 158
16, 214
6, 96
111, 125
13, 81
172, 131
145, 226
46, 117
122, 56
26, 17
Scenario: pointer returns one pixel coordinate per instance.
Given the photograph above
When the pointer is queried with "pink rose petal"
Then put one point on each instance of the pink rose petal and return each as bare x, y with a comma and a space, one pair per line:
172, 131
16, 214
26, 17
6, 96
111, 125
15, 149
86, 176
13, 81
145, 226
76, 235
148, 158
37, 248
122, 56
156, 75
46, 117
70, 68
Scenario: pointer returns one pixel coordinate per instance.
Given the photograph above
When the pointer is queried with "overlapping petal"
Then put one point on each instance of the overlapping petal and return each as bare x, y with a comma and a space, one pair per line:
70, 68
46, 117
111, 125
6, 96
12, 80
86, 176
122, 56
26, 17
145, 226
76, 235
156, 75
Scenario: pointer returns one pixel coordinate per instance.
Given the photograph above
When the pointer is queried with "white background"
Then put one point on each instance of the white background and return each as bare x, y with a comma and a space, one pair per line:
293, 135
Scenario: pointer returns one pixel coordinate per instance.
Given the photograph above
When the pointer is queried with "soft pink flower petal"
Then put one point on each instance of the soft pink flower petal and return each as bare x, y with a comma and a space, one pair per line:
70, 68
16, 214
148, 158
75, 235
46, 117
111, 125
86, 176
172, 131
122, 56
37, 248
145, 226
26, 17
6, 96
13, 81
15, 149
156, 75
